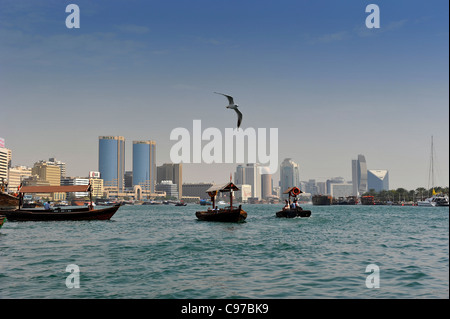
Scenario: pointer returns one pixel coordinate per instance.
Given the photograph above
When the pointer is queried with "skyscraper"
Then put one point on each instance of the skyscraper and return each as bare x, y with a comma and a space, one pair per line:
289, 175
111, 160
378, 179
171, 172
253, 178
266, 183
359, 175
144, 164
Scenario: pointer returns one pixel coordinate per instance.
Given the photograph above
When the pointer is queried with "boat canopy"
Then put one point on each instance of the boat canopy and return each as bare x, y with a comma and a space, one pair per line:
54, 189
290, 189
228, 187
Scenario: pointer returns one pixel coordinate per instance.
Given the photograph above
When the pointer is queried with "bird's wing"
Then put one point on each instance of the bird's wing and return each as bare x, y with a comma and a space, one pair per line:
230, 98
239, 114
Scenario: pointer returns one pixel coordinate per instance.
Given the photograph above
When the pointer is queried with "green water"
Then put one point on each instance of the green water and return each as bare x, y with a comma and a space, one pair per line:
164, 252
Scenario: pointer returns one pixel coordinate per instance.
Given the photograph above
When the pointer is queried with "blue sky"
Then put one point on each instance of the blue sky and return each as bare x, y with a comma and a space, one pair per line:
139, 69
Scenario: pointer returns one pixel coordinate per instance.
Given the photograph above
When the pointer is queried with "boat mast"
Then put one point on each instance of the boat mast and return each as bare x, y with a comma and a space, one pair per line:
431, 169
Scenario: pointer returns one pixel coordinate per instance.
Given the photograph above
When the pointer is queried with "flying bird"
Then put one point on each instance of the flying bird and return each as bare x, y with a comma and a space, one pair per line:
233, 106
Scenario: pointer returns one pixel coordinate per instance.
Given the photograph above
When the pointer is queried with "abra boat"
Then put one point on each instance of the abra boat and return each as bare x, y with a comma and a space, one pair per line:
293, 212
59, 213
225, 214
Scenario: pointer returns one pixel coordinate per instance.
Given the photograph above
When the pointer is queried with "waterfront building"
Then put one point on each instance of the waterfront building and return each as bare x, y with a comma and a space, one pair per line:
250, 174
239, 175
47, 174
5, 163
196, 189
144, 164
168, 187
16, 176
128, 179
333, 180
341, 190
74, 181
321, 187
266, 183
61, 165
359, 175
171, 172
289, 175
378, 179
111, 161
244, 193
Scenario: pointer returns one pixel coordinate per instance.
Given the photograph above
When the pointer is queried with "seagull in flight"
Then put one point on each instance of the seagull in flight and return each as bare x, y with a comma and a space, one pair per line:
234, 107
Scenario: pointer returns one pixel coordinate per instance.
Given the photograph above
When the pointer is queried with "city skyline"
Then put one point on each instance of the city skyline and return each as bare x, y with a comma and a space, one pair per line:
332, 87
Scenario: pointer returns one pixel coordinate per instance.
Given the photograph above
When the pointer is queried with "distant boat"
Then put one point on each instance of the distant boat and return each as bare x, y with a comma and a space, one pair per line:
225, 214
435, 199
180, 204
367, 200
322, 200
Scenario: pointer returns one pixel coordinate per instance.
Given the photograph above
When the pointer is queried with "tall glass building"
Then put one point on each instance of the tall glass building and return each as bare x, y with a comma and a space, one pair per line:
359, 175
144, 164
111, 160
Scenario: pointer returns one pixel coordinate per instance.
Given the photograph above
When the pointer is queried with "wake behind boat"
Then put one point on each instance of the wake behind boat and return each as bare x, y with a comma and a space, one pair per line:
59, 213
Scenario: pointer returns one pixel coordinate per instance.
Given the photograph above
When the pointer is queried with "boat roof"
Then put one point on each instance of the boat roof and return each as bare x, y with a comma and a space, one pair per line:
223, 188
54, 189
287, 191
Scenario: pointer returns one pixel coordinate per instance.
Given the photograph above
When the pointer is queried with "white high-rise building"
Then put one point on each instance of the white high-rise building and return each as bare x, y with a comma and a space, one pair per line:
289, 175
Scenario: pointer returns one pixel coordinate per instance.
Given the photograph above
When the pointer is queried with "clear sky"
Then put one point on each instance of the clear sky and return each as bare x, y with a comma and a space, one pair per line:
139, 69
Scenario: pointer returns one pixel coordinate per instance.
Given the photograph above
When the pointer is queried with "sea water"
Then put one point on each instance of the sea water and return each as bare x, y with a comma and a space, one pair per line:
164, 252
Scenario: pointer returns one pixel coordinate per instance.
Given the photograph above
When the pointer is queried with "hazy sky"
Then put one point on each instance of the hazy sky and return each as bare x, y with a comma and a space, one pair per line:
139, 69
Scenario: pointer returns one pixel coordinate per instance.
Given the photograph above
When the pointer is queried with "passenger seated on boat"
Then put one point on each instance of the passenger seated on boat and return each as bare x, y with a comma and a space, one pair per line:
216, 209
47, 206
286, 205
295, 205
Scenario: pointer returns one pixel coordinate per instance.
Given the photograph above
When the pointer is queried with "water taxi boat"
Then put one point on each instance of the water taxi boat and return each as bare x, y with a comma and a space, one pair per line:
223, 214
59, 213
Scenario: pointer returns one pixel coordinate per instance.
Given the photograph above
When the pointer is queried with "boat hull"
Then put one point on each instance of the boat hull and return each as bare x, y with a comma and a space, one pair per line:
322, 200
2, 220
61, 215
223, 215
291, 213
8, 201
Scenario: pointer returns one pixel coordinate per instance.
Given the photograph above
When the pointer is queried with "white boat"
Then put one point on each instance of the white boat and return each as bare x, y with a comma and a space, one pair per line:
435, 199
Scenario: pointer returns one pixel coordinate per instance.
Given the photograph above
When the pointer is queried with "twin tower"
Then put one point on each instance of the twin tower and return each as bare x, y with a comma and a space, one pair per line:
111, 162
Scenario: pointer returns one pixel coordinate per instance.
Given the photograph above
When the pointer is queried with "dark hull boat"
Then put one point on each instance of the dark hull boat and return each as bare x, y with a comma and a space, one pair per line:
291, 213
8, 201
223, 215
226, 214
59, 213
83, 213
